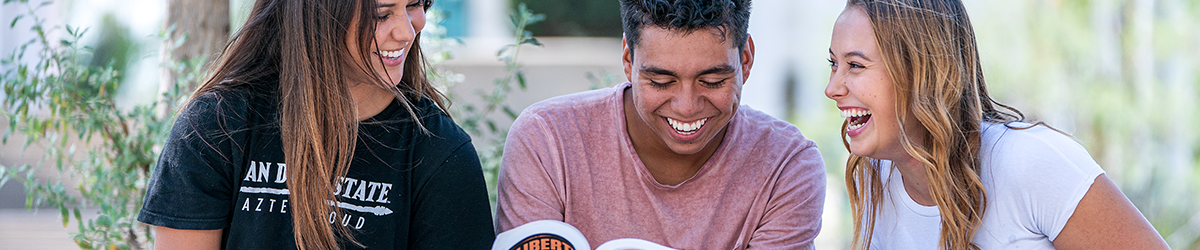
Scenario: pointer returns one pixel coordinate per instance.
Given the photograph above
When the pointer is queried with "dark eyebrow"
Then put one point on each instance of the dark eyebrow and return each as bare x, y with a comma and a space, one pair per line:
386, 5
720, 70
658, 71
858, 54
853, 53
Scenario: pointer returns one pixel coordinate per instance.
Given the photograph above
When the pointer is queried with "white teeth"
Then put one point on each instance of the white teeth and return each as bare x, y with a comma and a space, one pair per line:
855, 126
847, 113
391, 54
852, 114
686, 128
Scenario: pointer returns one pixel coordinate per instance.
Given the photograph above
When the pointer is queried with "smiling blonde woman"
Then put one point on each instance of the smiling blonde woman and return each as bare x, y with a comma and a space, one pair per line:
938, 164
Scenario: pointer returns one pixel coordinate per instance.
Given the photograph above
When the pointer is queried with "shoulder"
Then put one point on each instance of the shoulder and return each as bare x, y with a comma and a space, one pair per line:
757, 129
1034, 177
438, 122
213, 113
217, 102
444, 140
1021, 147
571, 111
760, 139
1022, 162
577, 104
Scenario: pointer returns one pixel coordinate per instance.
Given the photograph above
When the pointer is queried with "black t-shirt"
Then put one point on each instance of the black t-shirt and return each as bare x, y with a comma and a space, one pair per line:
223, 168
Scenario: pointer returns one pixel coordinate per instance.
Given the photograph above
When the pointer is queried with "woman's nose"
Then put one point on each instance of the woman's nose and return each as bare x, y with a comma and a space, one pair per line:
401, 29
835, 89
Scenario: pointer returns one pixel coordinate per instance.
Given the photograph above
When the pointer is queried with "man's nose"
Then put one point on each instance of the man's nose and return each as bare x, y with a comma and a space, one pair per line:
688, 101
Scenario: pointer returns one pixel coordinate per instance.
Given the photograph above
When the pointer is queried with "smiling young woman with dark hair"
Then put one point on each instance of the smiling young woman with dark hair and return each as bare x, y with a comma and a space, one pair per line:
319, 130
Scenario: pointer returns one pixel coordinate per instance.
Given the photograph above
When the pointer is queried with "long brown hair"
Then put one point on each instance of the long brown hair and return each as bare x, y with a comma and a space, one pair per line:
928, 47
297, 51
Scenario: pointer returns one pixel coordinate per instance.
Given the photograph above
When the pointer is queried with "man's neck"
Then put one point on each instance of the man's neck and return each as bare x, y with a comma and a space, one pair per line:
665, 165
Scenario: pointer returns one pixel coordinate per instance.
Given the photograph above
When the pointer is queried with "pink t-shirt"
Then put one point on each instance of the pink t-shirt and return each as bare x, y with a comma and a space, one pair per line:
570, 159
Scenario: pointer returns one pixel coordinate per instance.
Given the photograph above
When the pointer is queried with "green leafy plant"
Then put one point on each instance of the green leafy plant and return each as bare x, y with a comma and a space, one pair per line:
57, 100
479, 119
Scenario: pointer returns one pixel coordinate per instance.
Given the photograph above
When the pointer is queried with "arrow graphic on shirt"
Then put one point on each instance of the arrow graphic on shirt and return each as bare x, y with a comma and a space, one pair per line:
377, 210
262, 190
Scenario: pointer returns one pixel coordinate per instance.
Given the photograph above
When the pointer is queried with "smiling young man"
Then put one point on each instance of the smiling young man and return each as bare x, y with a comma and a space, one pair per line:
670, 156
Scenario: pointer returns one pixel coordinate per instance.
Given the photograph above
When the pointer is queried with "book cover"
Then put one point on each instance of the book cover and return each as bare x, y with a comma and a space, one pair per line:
557, 235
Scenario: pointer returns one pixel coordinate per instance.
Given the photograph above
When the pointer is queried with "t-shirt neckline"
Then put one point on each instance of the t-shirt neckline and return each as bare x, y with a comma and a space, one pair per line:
900, 192
387, 113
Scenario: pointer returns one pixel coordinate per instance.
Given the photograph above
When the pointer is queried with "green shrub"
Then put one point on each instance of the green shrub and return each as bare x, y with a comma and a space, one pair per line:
477, 119
56, 99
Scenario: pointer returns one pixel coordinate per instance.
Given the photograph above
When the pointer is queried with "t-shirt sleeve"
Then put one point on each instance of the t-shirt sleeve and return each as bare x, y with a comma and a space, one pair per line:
450, 209
793, 217
191, 186
526, 191
1048, 174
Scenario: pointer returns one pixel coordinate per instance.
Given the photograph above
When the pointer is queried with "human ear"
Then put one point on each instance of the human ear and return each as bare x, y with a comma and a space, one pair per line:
626, 59
747, 57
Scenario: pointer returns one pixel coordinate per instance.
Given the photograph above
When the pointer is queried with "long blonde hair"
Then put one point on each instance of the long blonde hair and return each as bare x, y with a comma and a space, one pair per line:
929, 50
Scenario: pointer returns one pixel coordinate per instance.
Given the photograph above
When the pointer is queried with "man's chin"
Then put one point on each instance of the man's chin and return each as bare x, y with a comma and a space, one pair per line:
686, 148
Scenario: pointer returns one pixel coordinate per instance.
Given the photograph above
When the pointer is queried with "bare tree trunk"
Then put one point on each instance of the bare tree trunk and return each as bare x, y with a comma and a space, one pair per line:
203, 27
204, 22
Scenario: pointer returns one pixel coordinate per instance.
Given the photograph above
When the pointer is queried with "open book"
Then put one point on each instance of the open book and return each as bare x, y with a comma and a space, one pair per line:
557, 235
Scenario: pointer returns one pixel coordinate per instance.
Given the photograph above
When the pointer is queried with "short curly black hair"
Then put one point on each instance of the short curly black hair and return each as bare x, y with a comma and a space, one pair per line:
730, 17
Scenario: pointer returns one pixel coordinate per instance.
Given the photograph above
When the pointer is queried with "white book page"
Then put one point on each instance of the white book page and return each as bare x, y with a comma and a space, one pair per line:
631, 244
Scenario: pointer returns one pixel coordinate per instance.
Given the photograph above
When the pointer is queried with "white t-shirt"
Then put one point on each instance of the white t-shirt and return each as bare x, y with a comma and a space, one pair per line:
1034, 178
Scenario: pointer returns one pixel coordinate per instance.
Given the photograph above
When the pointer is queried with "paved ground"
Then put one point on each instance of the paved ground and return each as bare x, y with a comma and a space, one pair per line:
41, 230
